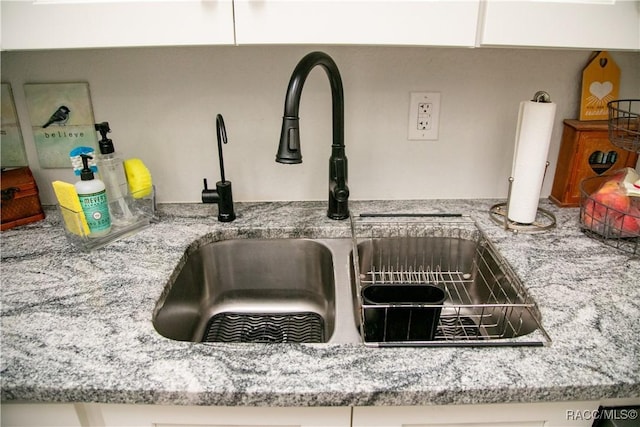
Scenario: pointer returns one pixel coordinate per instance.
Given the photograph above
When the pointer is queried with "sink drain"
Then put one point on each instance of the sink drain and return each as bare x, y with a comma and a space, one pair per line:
265, 328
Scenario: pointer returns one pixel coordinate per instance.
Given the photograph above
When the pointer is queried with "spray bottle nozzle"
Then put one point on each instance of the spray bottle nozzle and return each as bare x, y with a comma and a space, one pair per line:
103, 128
106, 145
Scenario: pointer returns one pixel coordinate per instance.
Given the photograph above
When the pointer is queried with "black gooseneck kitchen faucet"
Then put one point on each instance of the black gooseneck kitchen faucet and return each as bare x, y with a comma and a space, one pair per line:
222, 194
289, 148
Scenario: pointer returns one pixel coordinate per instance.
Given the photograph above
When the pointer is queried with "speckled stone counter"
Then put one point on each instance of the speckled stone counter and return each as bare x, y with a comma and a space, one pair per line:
77, 327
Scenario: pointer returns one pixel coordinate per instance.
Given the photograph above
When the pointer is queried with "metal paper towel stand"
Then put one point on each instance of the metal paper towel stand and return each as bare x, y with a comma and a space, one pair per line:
544, 221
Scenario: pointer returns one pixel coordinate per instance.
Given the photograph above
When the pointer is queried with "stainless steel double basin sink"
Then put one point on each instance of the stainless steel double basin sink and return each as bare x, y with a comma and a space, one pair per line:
300, 290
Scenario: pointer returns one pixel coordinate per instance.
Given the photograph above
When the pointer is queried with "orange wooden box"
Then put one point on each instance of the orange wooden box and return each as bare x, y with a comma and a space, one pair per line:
585, 152
20, 202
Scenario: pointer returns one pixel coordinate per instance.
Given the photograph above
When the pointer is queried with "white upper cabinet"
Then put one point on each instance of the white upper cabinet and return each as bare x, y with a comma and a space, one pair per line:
590, 24
417, 22
59, 24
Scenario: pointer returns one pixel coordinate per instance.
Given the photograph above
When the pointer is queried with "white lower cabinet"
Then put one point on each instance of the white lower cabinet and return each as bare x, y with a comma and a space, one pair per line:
120, 415
39, 415
104, 415
555, 414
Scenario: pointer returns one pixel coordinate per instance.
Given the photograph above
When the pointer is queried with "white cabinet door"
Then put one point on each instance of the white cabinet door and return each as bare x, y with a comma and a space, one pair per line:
59, 24
38, 415
389, 22
204, 416
553, 414
591, 24
116, 415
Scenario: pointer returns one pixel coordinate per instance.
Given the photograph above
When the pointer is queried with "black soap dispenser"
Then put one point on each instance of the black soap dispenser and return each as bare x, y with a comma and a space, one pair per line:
222, 195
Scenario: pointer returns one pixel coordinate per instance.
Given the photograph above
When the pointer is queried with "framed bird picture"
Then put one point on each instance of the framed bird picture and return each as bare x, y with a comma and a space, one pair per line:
12, 152
61, 117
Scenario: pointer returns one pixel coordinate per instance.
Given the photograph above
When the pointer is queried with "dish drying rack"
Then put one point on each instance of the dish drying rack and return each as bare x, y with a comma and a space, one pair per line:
485, 303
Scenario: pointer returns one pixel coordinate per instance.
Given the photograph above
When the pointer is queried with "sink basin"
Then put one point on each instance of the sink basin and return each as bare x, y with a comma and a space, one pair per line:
411, 284
484, 301
258, 290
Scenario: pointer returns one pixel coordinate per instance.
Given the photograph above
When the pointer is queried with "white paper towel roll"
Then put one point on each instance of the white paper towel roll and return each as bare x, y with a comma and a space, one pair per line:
533, 136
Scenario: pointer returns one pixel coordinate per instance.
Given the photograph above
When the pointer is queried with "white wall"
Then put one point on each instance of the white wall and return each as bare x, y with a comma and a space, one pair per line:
161, 104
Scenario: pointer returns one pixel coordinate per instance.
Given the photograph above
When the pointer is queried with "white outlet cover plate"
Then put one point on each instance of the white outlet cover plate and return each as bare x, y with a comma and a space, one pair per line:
424, 116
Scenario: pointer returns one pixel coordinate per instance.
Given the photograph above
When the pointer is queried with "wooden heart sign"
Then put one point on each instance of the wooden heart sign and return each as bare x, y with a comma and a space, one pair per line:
600, 84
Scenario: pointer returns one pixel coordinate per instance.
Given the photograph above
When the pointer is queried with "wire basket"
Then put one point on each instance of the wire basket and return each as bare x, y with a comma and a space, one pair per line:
478, 300
614, 223
624, 124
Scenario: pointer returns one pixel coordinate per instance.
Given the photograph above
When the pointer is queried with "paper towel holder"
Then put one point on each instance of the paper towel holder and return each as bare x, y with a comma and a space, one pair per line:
541, 96
544, 220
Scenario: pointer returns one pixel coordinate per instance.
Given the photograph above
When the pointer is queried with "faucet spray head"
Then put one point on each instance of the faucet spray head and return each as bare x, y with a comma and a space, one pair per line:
289, 149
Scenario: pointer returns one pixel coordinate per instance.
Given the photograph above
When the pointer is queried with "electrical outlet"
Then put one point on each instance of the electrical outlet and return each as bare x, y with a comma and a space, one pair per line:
424, 114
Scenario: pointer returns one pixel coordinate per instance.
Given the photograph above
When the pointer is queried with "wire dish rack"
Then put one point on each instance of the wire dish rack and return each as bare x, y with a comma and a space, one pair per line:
483, 304
624, 124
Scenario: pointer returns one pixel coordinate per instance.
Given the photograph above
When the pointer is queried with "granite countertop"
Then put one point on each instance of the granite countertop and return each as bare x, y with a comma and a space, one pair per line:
76, 327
